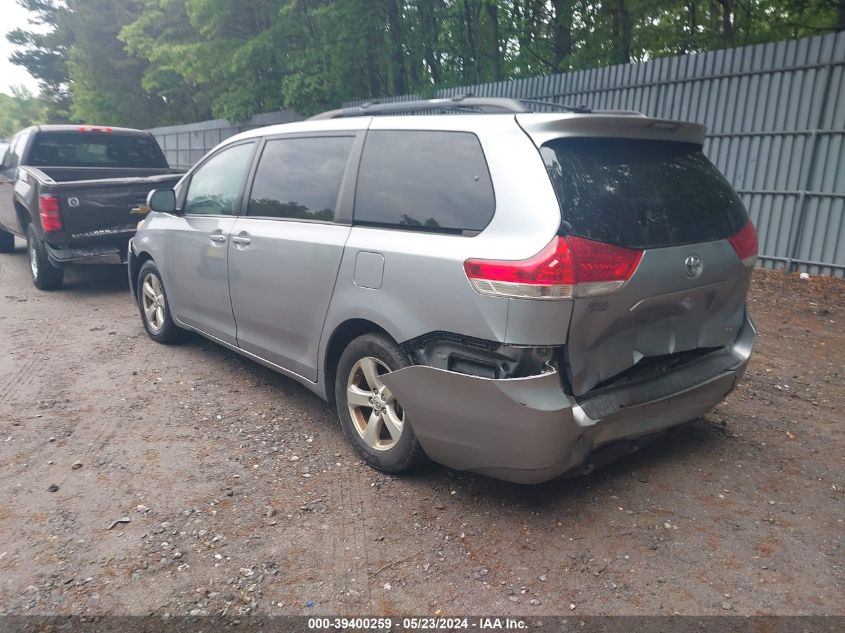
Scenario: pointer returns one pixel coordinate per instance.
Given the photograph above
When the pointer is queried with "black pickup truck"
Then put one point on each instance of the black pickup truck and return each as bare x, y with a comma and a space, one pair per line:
76, 194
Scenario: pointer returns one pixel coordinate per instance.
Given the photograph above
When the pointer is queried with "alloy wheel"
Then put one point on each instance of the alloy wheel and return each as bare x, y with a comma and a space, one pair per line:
153, 302
376, 415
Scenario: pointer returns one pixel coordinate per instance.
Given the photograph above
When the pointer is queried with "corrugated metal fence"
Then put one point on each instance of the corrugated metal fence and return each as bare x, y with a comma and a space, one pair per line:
775, 115
184, 145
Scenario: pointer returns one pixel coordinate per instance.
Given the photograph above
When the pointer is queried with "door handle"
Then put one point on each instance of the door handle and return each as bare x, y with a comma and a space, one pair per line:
217, 237
241, 240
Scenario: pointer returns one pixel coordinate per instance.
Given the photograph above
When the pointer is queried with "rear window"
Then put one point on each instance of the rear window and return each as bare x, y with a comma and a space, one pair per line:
95, 149
641, 193
424, 181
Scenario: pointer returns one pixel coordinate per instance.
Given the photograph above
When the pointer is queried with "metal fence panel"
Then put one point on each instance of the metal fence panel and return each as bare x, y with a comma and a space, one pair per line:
185, 144
775, 115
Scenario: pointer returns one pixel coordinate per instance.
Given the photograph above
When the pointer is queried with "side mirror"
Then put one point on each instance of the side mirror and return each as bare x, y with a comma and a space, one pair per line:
162, 200
4, 152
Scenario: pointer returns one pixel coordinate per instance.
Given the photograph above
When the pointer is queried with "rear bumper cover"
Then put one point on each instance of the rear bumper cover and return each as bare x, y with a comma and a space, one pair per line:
528, 430
99, 254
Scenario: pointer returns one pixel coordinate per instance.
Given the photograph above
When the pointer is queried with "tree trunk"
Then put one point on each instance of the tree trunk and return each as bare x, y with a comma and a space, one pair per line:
562, 31
621, 33
470, 57
713, 14
373, 77
397, 54
728, 32
692, 24
840, 23
495, 50
430, 36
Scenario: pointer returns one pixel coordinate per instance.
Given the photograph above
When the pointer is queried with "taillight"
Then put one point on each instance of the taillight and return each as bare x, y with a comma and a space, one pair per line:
745, 244
48, 209
568, 267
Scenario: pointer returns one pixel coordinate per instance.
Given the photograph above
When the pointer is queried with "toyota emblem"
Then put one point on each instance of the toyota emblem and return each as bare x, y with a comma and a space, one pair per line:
692, 265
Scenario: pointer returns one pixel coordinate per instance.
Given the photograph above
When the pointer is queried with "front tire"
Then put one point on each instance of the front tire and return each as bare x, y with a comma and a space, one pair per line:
7, 242
45, 275
154, 307
372, 419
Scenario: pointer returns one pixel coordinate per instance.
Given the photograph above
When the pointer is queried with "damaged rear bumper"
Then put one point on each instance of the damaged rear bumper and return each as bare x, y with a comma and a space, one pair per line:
528, 430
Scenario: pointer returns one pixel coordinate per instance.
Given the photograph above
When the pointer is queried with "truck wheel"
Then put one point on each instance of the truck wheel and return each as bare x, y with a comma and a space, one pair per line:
372, 419
154, 308
44, 275
7, 242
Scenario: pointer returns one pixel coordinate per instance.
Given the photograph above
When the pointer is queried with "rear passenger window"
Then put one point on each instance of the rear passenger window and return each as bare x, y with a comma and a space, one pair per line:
300, 178
428, 181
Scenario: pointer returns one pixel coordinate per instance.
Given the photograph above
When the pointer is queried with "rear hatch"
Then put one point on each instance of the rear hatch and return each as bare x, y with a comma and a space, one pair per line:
664, 210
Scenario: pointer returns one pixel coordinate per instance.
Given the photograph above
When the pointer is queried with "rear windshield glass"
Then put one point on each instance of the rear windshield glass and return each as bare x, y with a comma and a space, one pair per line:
95, 149
640, 193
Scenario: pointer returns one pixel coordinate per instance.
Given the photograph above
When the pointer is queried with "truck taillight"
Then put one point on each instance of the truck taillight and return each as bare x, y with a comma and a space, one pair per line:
568, 267
745, 244
48, 209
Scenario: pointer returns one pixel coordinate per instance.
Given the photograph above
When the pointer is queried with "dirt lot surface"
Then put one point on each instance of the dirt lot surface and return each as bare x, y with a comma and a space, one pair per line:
239, 494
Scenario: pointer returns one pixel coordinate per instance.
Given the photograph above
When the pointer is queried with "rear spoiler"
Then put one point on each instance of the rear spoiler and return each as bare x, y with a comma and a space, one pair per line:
545, 127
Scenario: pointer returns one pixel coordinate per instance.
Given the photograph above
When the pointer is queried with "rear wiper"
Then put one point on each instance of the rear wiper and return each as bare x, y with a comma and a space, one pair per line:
580, 109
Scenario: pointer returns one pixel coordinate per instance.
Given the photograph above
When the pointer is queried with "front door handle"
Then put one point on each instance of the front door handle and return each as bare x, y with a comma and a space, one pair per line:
217, 237
241, 240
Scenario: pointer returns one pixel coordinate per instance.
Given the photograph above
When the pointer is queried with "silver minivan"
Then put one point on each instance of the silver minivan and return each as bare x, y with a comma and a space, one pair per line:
512, 293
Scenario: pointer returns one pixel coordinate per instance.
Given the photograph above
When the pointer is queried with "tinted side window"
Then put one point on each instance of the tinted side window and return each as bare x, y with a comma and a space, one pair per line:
300, 178
215, 186
430, 181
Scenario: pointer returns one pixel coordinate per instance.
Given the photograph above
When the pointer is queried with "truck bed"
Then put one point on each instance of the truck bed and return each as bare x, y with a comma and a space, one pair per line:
100, 207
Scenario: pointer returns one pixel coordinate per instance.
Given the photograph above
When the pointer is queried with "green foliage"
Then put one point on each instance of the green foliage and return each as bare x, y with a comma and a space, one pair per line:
105, 81
43, 52
153, 62
19, 110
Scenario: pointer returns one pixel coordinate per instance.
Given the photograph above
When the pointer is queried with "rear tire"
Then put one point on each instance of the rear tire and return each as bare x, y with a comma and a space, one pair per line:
372, 420
7, 242
45, 275
154, 306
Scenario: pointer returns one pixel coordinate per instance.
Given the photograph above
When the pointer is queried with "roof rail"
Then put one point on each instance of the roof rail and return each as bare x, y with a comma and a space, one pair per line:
462, 103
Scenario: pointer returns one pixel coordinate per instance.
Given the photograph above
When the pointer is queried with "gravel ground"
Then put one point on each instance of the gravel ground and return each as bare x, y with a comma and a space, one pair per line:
234, 492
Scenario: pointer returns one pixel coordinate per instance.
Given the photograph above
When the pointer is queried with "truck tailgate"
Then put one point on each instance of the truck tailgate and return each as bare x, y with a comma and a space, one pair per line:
103, 210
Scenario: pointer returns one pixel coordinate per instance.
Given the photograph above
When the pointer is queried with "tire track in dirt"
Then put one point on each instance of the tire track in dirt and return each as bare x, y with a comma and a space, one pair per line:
752, 496
43, 343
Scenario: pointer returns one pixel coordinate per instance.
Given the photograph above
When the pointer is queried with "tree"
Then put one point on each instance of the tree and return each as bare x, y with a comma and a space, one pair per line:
106, 82
150, 62
43, 53
19, 110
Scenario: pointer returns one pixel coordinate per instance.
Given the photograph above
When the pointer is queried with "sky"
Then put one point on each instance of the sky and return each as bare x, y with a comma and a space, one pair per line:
12, 16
